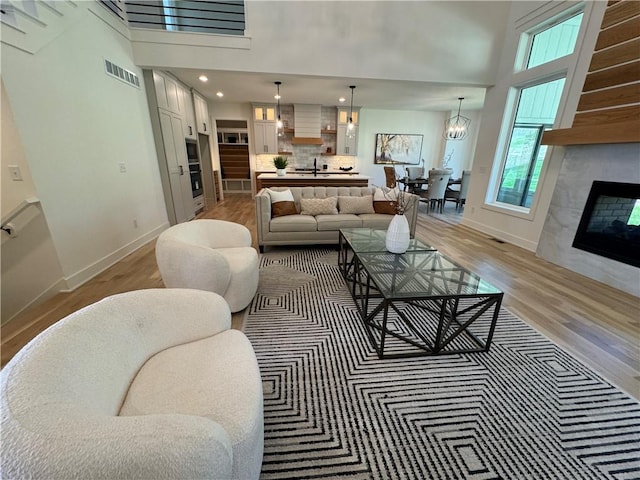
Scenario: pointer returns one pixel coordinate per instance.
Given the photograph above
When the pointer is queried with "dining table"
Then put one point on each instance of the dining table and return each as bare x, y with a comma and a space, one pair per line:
414, 185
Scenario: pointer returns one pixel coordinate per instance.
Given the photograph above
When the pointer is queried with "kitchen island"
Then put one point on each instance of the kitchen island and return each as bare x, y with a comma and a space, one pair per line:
322, 179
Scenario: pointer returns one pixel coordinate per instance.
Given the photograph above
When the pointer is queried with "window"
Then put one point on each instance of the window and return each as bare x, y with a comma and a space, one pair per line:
554, 42
538, 97
536, 112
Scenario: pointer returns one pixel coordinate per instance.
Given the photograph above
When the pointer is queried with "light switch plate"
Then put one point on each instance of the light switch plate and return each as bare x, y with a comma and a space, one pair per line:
16, 174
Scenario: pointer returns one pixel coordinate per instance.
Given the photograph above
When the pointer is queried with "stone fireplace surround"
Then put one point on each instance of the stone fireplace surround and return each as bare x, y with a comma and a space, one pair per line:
581, 166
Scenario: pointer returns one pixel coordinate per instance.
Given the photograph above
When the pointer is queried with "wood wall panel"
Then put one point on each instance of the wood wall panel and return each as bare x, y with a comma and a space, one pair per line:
620, 12
617, 55
607, 116
589, 135
609, 107
618, 33
627, 73
610, 97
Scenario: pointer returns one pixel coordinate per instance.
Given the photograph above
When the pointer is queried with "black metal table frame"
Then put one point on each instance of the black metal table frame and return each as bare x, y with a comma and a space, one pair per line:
363, 289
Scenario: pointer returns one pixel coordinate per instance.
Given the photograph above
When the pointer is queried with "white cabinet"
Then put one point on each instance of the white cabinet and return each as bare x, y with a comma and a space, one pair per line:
346, 145
188, 116
266, 137
178, 168
265, 131
202, 114
167, 92
265, 113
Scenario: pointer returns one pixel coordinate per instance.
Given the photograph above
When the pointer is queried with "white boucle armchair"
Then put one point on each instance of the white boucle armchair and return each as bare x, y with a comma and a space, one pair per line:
213, 255
145, 384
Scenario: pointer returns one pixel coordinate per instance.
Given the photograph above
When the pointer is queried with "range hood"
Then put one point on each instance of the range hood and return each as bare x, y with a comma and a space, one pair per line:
306, 122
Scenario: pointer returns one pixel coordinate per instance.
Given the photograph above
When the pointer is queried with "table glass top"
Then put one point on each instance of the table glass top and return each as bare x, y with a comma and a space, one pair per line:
370, 240
421, 273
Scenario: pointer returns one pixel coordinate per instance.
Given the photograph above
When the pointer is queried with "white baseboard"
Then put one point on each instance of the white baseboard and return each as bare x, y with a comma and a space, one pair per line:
501, 235
86, 274
58, 286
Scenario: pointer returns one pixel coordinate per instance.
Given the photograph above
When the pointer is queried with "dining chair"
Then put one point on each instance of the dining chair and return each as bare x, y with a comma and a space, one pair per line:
390, 176
415, 172
436, 188
459, 196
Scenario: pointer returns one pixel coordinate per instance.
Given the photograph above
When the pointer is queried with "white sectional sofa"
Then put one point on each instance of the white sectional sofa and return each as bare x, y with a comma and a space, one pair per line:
300, 229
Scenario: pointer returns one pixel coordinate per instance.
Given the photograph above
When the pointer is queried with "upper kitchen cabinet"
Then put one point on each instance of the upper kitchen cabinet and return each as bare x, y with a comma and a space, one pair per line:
265, 131
202, 114
167, 93
188, 117
347, 145
266, 113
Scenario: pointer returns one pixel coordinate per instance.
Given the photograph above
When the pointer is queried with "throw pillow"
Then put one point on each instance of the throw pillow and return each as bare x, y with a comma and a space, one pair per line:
319, 206
280, 196
282, 203
387, 207
385, 193
280, 209
356, 205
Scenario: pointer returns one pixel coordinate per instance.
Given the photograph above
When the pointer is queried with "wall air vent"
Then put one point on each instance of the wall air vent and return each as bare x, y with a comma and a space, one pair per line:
121, 74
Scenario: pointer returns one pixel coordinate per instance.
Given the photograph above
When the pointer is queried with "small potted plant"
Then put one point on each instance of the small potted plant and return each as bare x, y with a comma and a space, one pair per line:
280, 163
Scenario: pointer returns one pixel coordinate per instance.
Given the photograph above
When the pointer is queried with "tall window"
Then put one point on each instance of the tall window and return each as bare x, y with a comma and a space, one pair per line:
535, 111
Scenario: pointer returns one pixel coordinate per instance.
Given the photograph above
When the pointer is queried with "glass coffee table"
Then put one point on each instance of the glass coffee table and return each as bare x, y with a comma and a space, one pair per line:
419, 302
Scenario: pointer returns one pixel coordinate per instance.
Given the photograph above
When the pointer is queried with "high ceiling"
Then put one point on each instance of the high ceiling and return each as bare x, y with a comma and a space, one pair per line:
400, 55
240, 87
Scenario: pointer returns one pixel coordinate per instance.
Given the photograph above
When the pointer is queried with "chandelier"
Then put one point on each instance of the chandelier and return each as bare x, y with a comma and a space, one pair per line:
456, 127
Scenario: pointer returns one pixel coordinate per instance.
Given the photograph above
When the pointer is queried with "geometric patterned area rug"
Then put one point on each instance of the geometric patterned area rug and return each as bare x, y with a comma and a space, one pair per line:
524, 410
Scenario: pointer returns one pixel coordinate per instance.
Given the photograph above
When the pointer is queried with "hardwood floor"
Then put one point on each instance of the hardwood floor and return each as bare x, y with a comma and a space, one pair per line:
598, 324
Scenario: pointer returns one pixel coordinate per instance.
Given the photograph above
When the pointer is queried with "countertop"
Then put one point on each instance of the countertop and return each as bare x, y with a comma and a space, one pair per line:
309, 175
309, 171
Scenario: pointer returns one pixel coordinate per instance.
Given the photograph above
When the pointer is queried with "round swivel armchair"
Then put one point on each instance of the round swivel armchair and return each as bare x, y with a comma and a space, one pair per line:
212, 255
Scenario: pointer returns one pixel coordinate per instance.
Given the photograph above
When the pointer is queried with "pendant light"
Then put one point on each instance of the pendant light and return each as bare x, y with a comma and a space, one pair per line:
351, 128
456, 128
279, 123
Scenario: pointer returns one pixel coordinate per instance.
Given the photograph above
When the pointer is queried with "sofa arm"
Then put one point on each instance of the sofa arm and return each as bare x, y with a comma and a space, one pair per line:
263, 214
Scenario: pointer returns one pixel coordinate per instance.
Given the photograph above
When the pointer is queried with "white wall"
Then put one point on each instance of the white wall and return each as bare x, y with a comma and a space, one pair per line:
76, 125
462, 151
374, 121
32, 249
368, 39
511, 225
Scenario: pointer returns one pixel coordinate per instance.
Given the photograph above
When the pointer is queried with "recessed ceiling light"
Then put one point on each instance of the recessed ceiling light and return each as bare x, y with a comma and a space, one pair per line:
341, 99
220, 94
203, 78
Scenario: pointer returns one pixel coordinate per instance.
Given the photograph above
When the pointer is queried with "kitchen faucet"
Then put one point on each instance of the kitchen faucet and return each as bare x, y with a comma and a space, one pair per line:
315, 167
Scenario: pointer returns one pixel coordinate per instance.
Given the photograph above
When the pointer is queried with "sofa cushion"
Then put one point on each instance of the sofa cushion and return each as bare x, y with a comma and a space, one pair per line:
177, 381
319, 206
336, 222
356, 205
293, 223
385, 207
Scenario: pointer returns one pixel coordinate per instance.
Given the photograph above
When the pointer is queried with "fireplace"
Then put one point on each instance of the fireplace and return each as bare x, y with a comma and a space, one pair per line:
610, 222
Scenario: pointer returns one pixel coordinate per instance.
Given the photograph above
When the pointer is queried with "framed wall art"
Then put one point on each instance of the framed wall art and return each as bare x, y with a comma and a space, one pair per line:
398, 149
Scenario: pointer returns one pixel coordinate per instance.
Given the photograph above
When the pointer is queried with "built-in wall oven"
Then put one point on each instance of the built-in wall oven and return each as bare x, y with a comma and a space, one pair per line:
195, 172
